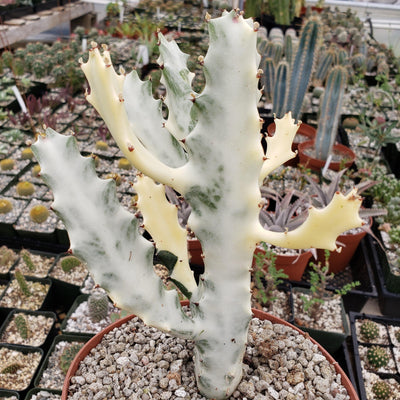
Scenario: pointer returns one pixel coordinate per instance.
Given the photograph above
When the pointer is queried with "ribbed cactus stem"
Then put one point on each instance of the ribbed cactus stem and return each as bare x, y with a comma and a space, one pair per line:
303, 65
324, 65
218, 168
281, 89
268, 78
288, 50
329, 111
282, 10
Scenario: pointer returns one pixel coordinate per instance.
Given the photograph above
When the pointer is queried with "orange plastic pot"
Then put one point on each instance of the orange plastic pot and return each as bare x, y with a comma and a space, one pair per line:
345, 153
292, 265
85, 350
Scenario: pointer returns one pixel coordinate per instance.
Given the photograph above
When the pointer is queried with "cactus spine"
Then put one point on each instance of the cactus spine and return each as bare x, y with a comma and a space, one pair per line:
22, 326
381, 390
268, 78
369, 330
26, 257
377, 356
69, 263
209, 150
98, 305
329, 112
302, 67
22, 283
68, 354
280, 89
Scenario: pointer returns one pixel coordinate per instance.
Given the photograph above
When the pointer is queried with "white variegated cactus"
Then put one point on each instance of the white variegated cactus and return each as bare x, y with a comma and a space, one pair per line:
208, 150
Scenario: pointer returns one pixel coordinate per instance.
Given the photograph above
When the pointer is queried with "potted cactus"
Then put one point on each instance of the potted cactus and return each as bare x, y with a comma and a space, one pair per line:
209, 150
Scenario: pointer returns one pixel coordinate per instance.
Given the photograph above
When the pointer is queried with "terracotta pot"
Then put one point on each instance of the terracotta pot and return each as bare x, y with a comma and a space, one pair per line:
338, 261
292, 265
195, 251
347, 156
304, 133
85, 350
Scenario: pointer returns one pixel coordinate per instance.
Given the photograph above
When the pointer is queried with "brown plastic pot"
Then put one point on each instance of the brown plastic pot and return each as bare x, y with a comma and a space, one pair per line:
346, 154
292, 265
304, 133
85, 350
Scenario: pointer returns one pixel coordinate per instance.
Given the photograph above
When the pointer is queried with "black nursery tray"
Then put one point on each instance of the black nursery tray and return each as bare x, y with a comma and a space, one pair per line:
390, 343
387, 284
359, 269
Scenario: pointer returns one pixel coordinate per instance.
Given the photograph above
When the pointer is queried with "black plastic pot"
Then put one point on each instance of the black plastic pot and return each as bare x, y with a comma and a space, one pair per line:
35, 391
49, 335
388, 284
57, 339
24, 350
331, 341
5, 394
392, 156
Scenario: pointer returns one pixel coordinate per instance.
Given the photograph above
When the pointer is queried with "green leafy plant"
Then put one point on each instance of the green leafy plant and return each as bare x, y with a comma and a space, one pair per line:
68, 354
266, 276
22, 283
319, 277
22, 326
26, 257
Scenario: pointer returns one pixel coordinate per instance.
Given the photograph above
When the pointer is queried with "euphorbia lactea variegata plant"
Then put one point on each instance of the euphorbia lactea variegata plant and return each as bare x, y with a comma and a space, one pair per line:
208, 150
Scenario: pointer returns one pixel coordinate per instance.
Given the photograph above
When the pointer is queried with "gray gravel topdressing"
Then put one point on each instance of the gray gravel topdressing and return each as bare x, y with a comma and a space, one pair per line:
139, 362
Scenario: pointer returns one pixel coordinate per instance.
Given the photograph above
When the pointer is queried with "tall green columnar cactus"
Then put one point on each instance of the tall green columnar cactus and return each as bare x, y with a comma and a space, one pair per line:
268, 78
280, 89
329, 111
324, 65
282, 10
288, 49
209, 150
303, 65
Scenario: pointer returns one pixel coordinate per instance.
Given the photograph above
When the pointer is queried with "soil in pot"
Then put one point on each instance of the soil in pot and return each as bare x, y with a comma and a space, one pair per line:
143, 362
75, 275
43, 394
18, 366
342, 157
36, 264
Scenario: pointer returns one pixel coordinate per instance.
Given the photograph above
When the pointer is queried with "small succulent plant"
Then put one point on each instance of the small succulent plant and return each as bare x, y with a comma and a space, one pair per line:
23, 285
26, 257
377, 356
27, 154
381, 390
369, 330
67, 356
11, 368
22, 326
7, 256
123, 163
101, 145
7, 164
39, 213
98, 305
69, 263
5, 206
25, 188
36, 170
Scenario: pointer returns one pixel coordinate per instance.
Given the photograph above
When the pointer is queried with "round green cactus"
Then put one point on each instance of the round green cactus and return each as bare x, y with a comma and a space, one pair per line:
369, 330
5, 206
67, 356
39, 213
69, 263
123, 163
36, 170
377, 356
27, 154
25, 188
98, 305
381, 390
7, 164
101, 145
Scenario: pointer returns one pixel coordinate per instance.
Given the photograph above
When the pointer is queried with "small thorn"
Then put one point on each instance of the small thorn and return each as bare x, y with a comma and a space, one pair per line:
69, 251
259, 73
121, 98
207, 17
196, 303
163, 124
200, 60
104, 46
130, 148
80, 61
96, 286
264, 158
94, 45
256, 26
183, 140
162, 66
108, 65
122, 70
